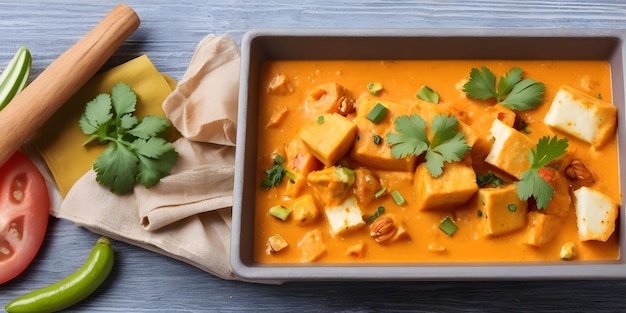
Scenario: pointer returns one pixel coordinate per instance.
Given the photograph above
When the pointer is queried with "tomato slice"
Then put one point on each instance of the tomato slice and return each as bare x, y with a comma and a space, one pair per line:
24, 205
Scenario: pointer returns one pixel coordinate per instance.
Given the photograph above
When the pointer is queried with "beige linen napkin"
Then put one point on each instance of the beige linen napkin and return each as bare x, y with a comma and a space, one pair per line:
187, 215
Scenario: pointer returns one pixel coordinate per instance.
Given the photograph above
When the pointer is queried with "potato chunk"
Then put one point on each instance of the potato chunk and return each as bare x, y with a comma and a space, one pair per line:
595, 214
305, 210
455, 186
510, 148
329, 188
346, 216
541, 228
502, 210
312, 246
330, 138
580, 115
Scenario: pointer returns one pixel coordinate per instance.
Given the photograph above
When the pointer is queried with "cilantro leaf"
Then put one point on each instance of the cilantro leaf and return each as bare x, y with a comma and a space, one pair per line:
526, 95
151, 170
510, 79
531, 184
481, 84
124, 99
136, 151
512, 91
274, 174
488, 179
411, 138
447, 145
97, 115
427, 94
116, 167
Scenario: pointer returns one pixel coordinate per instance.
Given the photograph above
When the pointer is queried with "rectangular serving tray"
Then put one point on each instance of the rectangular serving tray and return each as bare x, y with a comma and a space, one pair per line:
405, 44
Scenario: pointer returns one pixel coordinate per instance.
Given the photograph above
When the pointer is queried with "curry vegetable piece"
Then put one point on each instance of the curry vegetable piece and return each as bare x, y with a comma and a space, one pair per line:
531, 183
512, 91
427, 94
447, 144
136, 150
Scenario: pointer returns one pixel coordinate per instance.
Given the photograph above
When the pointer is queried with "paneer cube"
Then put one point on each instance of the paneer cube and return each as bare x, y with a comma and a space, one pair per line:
344, 217
580, 115
454, 187
502, 210
305, 210
329, 187
510, 148
541, 228
367, 150
595, 214
330, 139
312, 246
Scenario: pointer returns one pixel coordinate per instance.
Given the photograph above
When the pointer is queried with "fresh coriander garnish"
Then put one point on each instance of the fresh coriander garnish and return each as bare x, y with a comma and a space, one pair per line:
447, 145
488, 179
274, 175
379, 211
531, 184
427, 94
512, 91
136, 151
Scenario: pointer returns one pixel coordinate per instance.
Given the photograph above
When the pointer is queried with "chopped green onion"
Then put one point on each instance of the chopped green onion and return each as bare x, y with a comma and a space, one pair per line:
427, 94
448, 226
479, 213
512, 207
345, 175
377, 113
280, 212
377, 139
599, 96
380, 192
320, 119
397, 197
374, 88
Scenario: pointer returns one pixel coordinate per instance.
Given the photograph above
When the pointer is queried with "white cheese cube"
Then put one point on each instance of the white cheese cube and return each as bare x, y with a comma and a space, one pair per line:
582, 116
344, 217
510, 148
595, 214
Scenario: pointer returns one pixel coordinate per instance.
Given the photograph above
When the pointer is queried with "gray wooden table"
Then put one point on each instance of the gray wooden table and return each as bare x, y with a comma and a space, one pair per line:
146, 281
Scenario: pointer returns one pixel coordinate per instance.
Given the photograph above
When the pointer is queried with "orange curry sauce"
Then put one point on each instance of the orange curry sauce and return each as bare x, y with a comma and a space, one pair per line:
401, 81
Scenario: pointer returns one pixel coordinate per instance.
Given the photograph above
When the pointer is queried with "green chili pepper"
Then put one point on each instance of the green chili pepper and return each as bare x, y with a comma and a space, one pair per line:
73, 288
15, 76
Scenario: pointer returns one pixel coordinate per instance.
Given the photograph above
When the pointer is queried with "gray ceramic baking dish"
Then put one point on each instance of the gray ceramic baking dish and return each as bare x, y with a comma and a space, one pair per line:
295, 44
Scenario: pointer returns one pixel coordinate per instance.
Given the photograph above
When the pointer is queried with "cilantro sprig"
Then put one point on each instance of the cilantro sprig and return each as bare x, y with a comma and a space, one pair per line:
136, 150
531, 183
274, 175
512, 91
447, 144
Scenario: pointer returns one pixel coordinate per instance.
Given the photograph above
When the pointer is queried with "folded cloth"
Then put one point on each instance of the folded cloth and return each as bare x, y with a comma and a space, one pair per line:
187, 215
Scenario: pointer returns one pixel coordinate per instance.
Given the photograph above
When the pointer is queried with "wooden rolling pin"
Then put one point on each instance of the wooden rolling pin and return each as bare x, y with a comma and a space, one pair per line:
32, 107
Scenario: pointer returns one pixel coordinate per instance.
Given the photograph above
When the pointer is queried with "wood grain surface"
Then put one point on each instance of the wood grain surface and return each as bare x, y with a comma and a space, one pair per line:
143, 281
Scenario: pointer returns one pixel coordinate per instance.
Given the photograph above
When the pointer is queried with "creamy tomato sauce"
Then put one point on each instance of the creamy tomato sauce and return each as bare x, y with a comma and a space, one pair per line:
285, 112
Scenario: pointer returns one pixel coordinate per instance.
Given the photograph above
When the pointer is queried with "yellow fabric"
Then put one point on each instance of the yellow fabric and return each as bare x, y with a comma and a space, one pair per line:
60, 140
